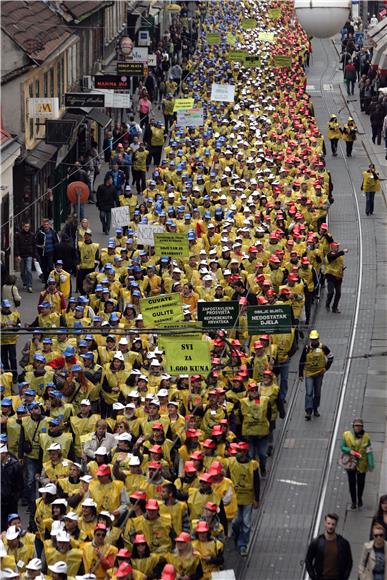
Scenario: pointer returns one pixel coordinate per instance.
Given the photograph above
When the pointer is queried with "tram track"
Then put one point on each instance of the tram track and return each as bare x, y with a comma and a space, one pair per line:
243, 571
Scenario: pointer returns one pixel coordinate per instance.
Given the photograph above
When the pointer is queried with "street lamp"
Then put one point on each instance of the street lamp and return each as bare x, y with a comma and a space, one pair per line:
322, 18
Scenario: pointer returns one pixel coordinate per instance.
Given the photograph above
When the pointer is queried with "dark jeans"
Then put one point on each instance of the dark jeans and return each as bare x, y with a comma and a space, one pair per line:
376, 134
313, 392
356, 482
308, 305
47, 264
350, 84
155, 155
370, 198
139, 178
8, 358
334, 143
349, 147
258, 449
144, 120
334, 289
106, 217
283, 376
168, 121
26, 271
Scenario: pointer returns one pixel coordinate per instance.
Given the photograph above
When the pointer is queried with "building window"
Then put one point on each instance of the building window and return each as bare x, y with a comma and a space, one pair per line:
37, 88
52, 89
45, 83
59, 81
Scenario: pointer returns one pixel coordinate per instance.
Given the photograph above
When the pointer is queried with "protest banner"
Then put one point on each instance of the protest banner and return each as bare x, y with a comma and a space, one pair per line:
187, 354
145, 234
266, 36
248, 23
120, 216
183, 104
218, 314
237, 55
222, 93
274, 13
173, 245
213, 38
252, 62
190, 118
270, 319
282, 61
161, 310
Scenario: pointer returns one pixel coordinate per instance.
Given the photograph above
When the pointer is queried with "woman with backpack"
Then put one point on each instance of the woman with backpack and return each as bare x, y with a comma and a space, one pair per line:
350, 76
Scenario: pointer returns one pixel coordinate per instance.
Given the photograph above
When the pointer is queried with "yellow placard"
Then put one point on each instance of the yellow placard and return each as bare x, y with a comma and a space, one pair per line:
252, 62
213, 38
172, 245
275, 13
266, 36
183, 104
283, 61
187, 355
249, 23
236, 55
161, 310
230, 38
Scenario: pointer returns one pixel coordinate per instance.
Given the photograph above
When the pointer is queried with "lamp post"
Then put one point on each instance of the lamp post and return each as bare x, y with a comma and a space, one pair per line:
322, 18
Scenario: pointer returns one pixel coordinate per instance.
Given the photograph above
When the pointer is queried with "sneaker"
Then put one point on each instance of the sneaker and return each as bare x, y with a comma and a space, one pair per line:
30, 289
263, 472
336, 311
243, 551
316, 413
307, 417
353, 506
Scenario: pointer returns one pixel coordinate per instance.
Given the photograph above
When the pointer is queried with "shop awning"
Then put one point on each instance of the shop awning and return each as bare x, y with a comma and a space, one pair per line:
40, 155
99, 117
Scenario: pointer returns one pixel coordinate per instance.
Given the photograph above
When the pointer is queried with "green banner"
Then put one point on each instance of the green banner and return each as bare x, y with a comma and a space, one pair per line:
186, 355
213, 38
218, 314
282, 61
275, 319
237, 55
231, 39
248, 24
266, 36
275, 13
252, 62
161, 310
172, 245
183, 104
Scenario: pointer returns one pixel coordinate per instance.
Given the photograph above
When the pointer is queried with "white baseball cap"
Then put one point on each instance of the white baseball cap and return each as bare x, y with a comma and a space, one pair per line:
7, 572
89, 503
55, 447
71, 516
4, 449
34, 564
162, 393
119, 356
86, 577
56, 527
86, 478
118, 406
123, 340
49, 488
60, 501
101, 451
123, 437
12, 533
86, 402
58, 568
63, 536
134, 460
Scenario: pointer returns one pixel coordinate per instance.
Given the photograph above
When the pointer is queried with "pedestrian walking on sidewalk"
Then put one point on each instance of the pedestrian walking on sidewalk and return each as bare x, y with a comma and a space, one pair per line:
357, 444
373, 559
316, 359
329, 555
334, 274
334, 134
370, 186
350, 76
25, 253
106, 196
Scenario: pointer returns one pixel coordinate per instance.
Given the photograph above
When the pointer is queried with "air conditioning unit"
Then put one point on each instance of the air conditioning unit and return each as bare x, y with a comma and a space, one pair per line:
87, 83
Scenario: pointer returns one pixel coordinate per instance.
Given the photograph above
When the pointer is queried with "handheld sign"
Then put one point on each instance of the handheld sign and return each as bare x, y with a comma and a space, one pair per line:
161, 310
218, 314
145, 233
271, 319
231, 40
183, 104
120, 216
237, 55
274, 13
222, 93
282, 61
190, 118
248, 24
173, 245
189, 355
266, 36
252, 62
213, 38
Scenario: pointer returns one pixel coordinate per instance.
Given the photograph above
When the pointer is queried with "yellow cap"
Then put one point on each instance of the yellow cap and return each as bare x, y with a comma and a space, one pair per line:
314, 334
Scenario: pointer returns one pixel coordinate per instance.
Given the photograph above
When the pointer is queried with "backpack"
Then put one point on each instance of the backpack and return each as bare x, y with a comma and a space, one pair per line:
132, 132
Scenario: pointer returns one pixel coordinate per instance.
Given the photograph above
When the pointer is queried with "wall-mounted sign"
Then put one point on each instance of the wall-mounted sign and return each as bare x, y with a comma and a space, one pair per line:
140, 53
43, 108
84, 100
131, 68
111, 82
59, 132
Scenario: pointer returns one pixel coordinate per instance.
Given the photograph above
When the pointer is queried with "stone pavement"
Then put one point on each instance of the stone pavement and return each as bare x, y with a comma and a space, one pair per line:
294, 487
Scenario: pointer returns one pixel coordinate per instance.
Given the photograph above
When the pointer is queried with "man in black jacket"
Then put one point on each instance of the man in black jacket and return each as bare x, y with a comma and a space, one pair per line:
329, 556
25, 252
106, 198
11, 484
46, 240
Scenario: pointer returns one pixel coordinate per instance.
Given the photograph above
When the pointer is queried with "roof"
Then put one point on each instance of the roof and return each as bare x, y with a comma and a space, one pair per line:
33, 27
84, 8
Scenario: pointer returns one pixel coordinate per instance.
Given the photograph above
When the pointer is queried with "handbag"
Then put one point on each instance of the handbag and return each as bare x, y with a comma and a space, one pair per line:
347, 462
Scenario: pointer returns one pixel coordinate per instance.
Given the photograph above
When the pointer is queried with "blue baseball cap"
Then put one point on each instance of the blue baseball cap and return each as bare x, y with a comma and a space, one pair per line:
69, 351
54, 421
11, 517
76, 368
39, 357
45, 304
32, 392
82, 343
7, 402
47, 340
21, 409
5, 304
33, 405
57, 394
87, 355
